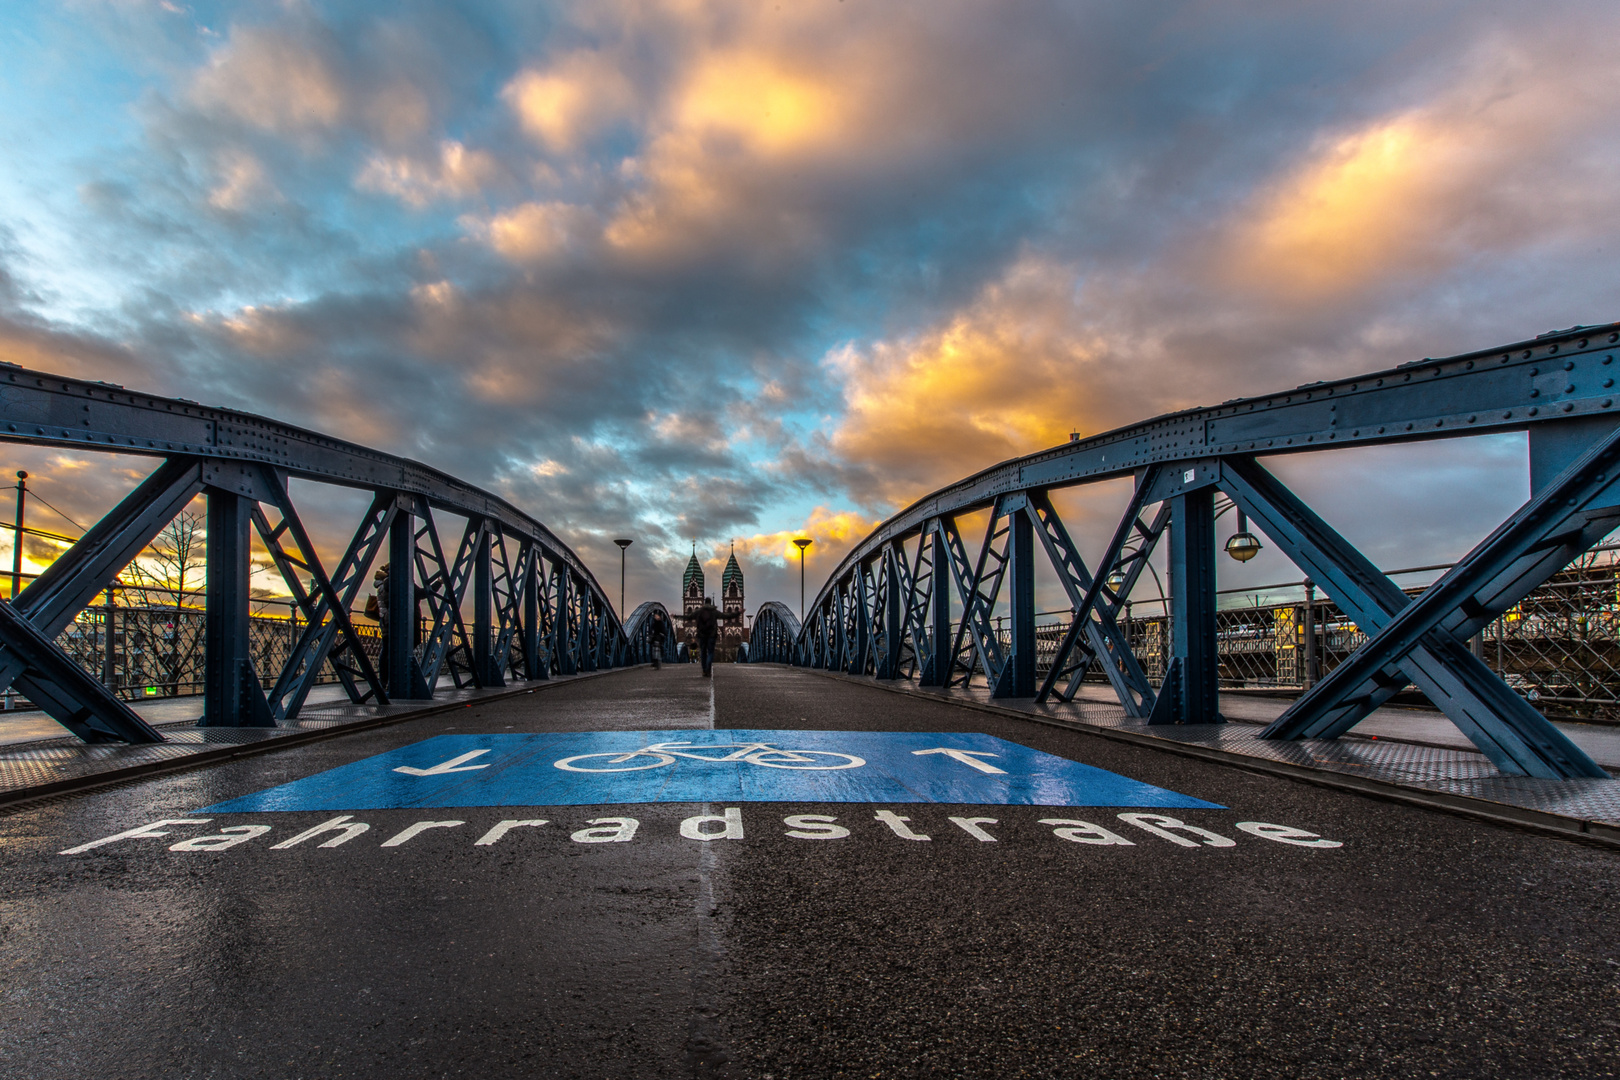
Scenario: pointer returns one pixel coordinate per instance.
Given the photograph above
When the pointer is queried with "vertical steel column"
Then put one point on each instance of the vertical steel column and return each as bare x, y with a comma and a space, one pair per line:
232, 696
939, 612
405, 681
484, 670
1020, 680
1193, 648
532, 571
891, 612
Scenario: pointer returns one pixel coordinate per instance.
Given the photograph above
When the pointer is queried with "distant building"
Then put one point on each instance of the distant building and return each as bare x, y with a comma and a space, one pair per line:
691, 597
733, 624
732, 630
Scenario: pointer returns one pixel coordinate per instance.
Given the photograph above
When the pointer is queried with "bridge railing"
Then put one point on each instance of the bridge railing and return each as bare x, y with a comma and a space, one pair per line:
913, 601
535, 609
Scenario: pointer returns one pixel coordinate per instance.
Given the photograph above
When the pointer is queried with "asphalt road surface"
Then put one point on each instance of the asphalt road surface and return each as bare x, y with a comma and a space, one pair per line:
611, 941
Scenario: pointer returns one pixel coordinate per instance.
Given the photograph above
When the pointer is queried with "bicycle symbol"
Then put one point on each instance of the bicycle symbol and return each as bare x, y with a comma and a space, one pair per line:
757, 753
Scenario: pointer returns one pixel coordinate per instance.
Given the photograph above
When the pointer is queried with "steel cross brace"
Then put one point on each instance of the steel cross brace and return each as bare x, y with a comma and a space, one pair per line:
922, 614
976, 609
978, 594
1103, 638
1100, 597
443, 585
507, 592
1424, 638
327, 608
562, 622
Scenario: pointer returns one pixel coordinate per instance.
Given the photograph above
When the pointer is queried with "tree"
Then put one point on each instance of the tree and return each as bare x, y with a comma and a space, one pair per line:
162, 630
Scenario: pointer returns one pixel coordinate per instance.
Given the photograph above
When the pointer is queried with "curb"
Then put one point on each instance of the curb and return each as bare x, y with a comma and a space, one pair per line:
13, 800
1561, 825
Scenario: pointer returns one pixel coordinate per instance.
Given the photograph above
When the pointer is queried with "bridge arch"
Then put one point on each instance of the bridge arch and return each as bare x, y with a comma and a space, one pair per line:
910, 601
537, 609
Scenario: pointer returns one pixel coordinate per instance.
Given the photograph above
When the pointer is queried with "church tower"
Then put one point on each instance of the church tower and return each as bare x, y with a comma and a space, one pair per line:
692, 586
731, 599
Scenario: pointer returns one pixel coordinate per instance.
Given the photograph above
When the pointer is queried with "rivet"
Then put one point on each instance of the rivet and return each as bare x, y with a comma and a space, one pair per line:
1552, 349
1527, 354
1532, 410
1508, 415
1356, 432
1568, 406
1408, 427
1535, 393
1380, 382
1583, 343
1535, 371
1609, 359
1569, 388
1468, 366
1380, 431
1569, 365
1607, 402
1471, 419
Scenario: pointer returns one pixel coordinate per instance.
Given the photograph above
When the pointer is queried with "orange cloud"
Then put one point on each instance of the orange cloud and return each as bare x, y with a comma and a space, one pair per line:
834, 533
1423, 188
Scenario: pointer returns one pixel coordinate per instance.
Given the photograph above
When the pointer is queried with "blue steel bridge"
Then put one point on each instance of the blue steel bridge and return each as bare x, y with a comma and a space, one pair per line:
909, 838
507, 600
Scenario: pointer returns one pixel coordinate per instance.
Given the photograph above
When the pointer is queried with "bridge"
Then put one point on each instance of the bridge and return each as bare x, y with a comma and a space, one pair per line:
921, 833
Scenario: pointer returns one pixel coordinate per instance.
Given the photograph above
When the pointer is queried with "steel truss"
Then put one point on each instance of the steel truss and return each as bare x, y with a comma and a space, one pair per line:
909, 603
536, 608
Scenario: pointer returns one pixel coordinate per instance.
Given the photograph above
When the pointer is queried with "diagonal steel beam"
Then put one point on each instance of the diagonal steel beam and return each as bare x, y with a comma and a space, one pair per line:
1424, 638
1096, 587
978, 593
68, 694
55, 598
1103, 637
329, 634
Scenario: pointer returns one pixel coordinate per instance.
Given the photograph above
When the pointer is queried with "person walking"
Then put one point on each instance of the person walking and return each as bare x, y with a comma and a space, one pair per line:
657, 630
708, 629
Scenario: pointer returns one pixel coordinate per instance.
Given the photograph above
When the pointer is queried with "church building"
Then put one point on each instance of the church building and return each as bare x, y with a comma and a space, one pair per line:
732, 623
731, 602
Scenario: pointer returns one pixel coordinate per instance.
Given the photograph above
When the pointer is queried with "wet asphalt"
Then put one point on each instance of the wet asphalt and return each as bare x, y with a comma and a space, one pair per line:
1425, 945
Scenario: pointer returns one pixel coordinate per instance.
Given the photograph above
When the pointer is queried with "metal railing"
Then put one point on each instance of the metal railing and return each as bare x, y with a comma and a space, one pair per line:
1559, 647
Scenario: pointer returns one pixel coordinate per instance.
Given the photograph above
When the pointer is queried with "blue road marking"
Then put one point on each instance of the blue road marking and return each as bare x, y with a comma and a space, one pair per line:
605, 767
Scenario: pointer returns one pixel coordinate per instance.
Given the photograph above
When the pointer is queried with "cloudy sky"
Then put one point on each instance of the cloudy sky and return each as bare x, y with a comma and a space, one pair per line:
709, 271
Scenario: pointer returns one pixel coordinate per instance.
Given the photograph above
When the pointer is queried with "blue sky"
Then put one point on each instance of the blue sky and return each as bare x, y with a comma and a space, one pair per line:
710, 271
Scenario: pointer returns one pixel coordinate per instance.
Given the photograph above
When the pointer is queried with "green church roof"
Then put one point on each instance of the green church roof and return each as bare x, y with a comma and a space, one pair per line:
694, 572
733, 572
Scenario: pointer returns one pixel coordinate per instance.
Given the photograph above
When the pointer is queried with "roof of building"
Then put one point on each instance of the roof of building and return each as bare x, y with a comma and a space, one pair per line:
694, 572
732, 572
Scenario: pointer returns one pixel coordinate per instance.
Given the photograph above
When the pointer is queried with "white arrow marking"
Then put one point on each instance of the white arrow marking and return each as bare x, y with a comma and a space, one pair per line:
966, 757
453, 765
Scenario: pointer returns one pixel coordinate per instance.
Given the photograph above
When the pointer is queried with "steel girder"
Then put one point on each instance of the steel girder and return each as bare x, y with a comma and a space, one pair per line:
1551, 387
233, 455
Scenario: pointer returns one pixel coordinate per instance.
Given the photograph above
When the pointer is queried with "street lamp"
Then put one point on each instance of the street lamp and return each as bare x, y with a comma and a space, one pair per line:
16, 551
622, 545
1116, 580
1243, 545
801, 543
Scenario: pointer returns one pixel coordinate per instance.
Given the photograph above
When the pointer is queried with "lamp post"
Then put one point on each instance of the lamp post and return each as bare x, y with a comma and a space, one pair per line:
16, 549
622, 545
801, 543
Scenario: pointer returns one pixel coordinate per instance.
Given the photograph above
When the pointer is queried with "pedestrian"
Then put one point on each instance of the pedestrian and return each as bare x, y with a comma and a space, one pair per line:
708, 629
377, 608
657, 630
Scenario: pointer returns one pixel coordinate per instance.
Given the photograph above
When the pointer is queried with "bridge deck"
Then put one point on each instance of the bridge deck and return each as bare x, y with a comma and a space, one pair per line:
1426, 944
